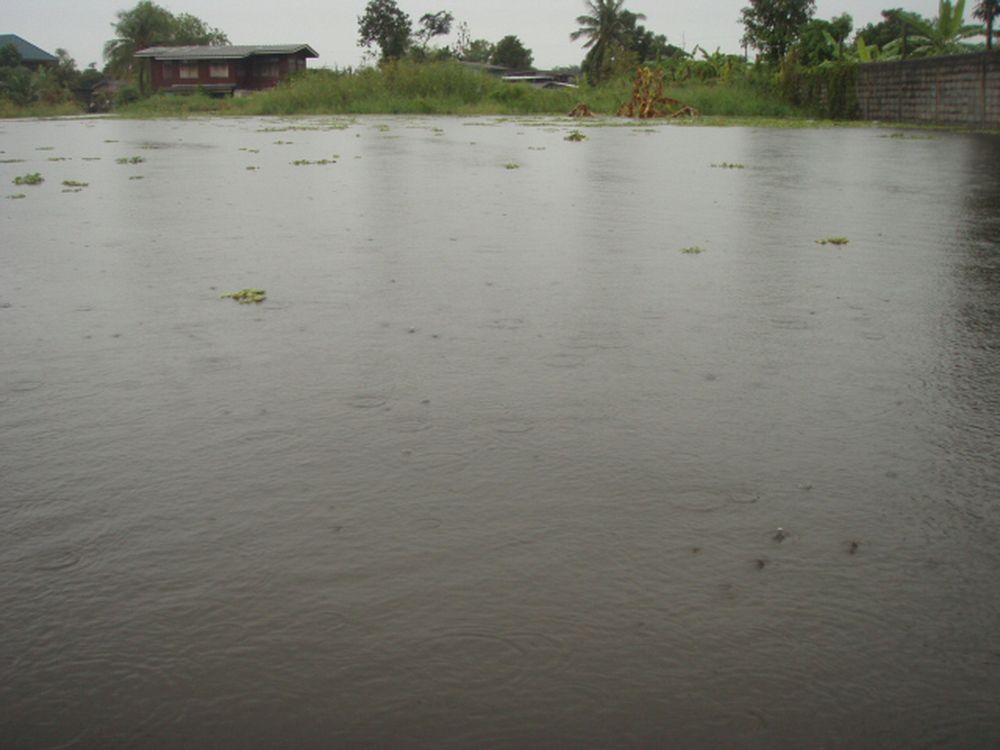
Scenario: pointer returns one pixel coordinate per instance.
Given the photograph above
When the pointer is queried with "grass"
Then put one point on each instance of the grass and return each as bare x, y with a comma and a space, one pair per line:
10, 110
447, 89
29, 179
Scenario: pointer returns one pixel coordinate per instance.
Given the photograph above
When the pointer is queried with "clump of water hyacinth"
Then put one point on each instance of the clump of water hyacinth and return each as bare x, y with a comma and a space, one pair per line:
29, 179
246, 296
575, 136
693, 250
833, 241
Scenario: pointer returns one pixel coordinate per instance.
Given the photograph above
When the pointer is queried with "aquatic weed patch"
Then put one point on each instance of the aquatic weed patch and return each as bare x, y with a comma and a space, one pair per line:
75, 184
29, 179
692, 250
728, 165
16, 196
511, 165
575, 137
130, 160
307, 162
833, 241
247, 296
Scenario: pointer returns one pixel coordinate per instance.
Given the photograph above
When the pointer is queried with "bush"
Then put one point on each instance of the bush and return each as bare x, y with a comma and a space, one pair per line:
127, 95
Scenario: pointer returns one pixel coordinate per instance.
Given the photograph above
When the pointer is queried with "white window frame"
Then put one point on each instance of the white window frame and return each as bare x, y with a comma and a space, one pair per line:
188, 71
218, 70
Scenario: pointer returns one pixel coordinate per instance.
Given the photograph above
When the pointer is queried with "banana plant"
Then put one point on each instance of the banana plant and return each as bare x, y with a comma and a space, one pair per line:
945, 34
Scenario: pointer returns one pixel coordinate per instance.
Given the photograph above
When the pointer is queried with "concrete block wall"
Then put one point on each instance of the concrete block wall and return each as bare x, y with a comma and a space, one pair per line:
953, 90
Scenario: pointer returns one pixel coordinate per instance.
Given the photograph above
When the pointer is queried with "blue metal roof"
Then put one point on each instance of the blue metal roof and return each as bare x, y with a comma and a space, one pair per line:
29, 52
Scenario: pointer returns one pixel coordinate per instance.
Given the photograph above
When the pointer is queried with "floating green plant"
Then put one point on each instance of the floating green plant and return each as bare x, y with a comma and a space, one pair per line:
575, 136
727, 165
306, 162
16, 196
908, 137
252, 169
110, 141
46, 148
246, 296
136, 177
833, 241
58, 158
29, 179
75, 184
512, 165
283, 143
91, 158
693, 250
130, 160
11, 161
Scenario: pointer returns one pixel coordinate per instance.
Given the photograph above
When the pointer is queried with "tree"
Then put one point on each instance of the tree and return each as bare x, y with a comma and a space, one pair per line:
189, 29
823, 41
510, 53
608, 28
773, 26
646, 44
479, 51
385, 25
149, 25
434, 24
943, 35
9, 56
987, 11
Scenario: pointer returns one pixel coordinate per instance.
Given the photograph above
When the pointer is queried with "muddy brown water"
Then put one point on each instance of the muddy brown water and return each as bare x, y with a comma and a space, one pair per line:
496, 464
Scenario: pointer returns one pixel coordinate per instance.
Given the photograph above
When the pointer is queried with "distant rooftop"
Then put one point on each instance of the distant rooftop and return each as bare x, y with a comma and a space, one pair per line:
224, 53
29, 52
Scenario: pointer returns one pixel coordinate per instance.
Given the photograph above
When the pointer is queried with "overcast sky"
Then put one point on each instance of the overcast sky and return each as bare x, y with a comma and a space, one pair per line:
331, 26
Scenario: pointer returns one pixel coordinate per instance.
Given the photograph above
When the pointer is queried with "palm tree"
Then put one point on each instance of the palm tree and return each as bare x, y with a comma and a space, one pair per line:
146, 25
606, 28
149, 25
943, 35
987, 12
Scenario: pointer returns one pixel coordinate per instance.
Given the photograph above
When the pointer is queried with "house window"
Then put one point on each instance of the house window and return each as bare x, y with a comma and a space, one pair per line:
269, 70
218, 70
168, 71
189, 70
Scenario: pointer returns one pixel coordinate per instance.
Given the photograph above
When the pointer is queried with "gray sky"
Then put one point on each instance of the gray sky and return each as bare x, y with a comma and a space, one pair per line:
331, 28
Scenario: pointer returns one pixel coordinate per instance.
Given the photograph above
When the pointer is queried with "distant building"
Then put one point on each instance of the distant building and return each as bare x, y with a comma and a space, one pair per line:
32, 57
224, 70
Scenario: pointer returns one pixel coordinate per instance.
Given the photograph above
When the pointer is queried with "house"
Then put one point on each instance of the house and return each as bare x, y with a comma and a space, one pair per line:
32, 57
224, 70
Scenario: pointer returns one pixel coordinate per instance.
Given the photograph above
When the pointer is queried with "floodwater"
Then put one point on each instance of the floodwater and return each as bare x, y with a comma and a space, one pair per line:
496, 464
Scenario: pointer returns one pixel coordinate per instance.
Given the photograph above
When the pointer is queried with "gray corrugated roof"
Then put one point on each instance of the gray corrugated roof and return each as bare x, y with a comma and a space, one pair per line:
224, 53
28, 51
